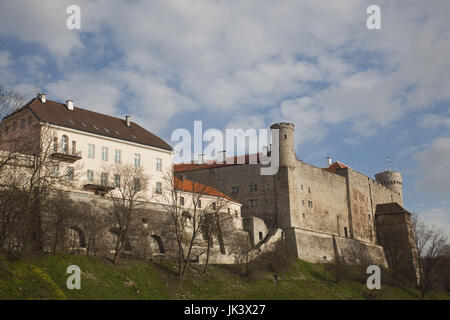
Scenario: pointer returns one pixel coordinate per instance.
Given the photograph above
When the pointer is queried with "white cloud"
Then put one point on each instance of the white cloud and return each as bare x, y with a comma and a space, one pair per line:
434, 167
5, 59
437, 217
41, 23
90, 91
435, 121
246, 58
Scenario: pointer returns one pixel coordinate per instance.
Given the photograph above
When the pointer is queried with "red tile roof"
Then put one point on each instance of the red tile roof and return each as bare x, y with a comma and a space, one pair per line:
236, 160
93, 122
335, 166
191, 186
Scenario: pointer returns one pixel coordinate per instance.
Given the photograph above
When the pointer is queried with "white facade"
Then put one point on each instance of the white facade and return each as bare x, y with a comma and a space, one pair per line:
98, 152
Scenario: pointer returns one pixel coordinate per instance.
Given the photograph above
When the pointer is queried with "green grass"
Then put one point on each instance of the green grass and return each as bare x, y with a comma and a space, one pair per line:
44, 277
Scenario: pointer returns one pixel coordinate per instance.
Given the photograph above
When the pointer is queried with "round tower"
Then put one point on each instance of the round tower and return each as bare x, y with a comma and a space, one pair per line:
286, 143
391, 180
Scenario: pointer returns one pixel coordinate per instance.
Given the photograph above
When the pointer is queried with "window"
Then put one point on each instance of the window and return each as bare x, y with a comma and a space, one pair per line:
104, 179
303, 202
104, 153
64, 143
54, 172
118, 156
229, 211
310, 204
90, 176
14, 126
235, 189
7, 130
55, 144
30, 120
267, 186
253, 202
301, 187
236, 213
252, 187
70, 173
213, 205
369, 216
370, 233
137, 160
91, 151
181, 201
22, 123
260, 235
116, 181
309, 190
137, 184
74, 147
158, 164
345, 231
199, 203
304, 216
159, 188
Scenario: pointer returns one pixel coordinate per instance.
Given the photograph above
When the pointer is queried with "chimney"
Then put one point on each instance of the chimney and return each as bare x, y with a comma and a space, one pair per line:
42, 97
222, 158
201, 158
128, 120
329, 162
69, 104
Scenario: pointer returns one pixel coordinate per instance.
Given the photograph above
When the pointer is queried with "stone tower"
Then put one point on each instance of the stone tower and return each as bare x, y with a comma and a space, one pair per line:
391, 180
285, 201
286, 143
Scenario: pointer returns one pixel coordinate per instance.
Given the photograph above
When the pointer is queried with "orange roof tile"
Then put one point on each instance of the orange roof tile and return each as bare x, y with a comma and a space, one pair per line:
336, 165
192, 186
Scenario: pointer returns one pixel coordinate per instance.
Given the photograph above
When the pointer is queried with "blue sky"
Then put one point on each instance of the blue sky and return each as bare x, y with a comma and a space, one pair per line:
354, 94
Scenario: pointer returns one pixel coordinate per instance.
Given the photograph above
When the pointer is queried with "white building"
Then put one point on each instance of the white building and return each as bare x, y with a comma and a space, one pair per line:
90, 142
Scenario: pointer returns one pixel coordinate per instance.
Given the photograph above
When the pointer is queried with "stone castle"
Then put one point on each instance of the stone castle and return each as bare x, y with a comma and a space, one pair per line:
321, 213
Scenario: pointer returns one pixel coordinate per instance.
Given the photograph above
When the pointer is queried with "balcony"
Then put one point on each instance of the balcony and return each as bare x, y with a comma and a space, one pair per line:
66, 154
100, 189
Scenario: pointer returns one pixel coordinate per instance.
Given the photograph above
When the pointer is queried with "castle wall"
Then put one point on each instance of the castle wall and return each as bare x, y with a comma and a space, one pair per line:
319, 247
254, 226
363, 195
225, 178
328, 194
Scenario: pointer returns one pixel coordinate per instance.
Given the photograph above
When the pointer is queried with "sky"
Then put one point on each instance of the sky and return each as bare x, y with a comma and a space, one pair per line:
354, 94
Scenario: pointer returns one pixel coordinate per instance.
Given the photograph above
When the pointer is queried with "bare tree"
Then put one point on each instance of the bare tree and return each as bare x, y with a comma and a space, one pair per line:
217, 224
432, 249
126, 198
182, 201
10, 101
34, 173
92, 221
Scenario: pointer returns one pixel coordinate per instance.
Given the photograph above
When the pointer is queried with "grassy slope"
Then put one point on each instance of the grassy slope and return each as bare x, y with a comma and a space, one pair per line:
44, 277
